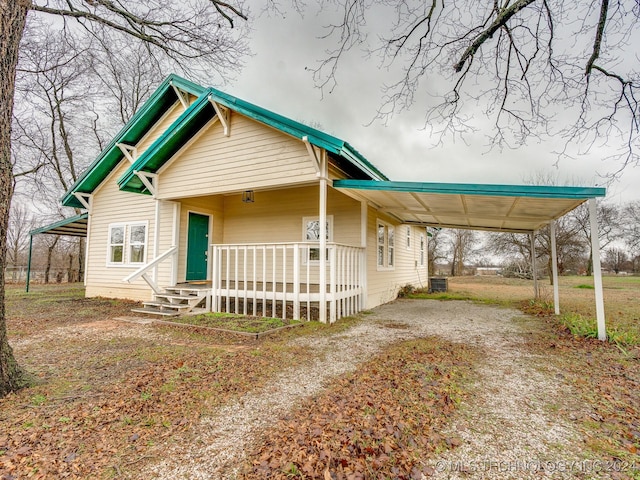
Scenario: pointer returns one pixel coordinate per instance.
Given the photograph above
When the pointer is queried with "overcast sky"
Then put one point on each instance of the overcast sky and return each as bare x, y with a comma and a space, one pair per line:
276, 78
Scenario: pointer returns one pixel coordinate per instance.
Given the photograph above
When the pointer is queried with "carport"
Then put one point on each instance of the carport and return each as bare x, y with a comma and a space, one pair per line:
498, 208
75, 226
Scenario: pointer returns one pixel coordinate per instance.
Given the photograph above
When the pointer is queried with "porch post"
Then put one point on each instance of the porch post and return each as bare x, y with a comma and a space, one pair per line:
533, 264
364, 220
323, 236
597, 270
554, 268
156, 239
175, 240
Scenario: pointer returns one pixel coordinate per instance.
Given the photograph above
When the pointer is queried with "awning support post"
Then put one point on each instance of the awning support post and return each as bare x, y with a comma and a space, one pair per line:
597, 270
29, 262
554, 268
534, 269
322, 217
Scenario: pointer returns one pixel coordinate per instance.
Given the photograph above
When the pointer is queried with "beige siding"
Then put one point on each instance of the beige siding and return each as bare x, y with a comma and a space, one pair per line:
276, 216
383, 283
253, 156
110, 205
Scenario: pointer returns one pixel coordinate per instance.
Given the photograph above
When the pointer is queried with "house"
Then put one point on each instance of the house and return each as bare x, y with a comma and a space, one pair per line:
204, 199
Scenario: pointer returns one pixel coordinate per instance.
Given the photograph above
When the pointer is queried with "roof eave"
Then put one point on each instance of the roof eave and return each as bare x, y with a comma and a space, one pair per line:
112, 153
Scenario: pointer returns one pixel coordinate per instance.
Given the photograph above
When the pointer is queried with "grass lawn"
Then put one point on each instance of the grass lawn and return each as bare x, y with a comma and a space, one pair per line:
577, 301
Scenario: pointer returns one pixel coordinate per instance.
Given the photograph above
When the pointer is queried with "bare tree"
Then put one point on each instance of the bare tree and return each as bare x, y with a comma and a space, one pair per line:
608, 217
20, 224
462, 246
615, 259
529, 64
435, 249
195, 31
631, 226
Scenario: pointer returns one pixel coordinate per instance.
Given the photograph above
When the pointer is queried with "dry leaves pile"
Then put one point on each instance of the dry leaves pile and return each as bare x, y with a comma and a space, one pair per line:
143, 397
381, 421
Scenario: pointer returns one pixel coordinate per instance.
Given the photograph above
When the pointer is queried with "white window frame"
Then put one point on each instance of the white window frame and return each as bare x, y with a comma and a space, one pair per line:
127, 243
388, 247
305, 223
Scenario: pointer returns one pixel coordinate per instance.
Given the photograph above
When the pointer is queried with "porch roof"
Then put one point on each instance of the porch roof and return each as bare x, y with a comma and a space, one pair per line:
511, 208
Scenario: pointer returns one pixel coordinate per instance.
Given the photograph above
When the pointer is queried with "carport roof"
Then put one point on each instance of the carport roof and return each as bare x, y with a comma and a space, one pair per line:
511, 208
73, 226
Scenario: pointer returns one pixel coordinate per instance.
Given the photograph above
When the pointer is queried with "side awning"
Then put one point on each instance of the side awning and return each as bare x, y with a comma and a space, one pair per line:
75, 226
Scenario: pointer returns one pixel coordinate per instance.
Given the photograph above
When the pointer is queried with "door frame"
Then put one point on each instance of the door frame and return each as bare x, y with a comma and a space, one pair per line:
210, 237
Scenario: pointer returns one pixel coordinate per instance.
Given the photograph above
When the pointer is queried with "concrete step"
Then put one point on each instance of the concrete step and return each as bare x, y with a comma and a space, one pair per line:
154, 311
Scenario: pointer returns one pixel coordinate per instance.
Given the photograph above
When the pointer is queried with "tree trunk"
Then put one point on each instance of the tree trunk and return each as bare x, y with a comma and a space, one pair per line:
50, 250
13, 15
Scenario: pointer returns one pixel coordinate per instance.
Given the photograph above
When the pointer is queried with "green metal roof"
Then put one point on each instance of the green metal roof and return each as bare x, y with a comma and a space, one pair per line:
201, 111
168, 144
148, 115
537, 191
513, 208
75, 226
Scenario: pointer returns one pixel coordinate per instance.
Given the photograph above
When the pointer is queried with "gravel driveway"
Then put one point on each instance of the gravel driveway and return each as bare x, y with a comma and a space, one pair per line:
507, 425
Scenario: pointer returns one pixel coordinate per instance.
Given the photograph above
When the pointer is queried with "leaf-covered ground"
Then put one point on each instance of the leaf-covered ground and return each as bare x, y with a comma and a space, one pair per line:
109, 397
608, 380
381, 421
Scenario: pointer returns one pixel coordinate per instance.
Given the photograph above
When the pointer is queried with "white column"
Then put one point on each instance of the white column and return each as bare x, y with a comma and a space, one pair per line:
323, 237
554, 268
364, 212
175, 240
156, 239
597, 270
533, 265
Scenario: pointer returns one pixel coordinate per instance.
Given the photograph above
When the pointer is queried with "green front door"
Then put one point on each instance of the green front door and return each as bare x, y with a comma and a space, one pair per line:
197, 247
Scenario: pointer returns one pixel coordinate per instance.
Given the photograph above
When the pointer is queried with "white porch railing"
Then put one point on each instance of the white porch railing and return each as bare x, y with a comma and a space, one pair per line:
283, 280
144, 270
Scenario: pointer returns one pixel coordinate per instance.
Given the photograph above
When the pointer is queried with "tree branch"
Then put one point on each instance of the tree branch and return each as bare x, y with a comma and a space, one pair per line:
503, 17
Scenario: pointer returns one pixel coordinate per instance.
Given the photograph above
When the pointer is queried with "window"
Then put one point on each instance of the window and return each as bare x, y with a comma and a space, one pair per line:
311, 233
116, 244
386, 245
422, 249
127, 243
408, 237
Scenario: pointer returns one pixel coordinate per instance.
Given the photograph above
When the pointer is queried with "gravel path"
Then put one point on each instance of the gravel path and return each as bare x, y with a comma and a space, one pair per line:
506, 425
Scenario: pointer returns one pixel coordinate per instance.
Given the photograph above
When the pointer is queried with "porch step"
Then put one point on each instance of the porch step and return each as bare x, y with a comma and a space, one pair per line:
174, 301
153, 311
179, 299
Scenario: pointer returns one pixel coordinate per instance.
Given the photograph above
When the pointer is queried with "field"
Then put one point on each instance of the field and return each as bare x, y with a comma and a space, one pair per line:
577, 301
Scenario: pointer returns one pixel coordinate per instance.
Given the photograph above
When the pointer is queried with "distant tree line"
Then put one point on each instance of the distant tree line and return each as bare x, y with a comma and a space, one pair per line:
457, 252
